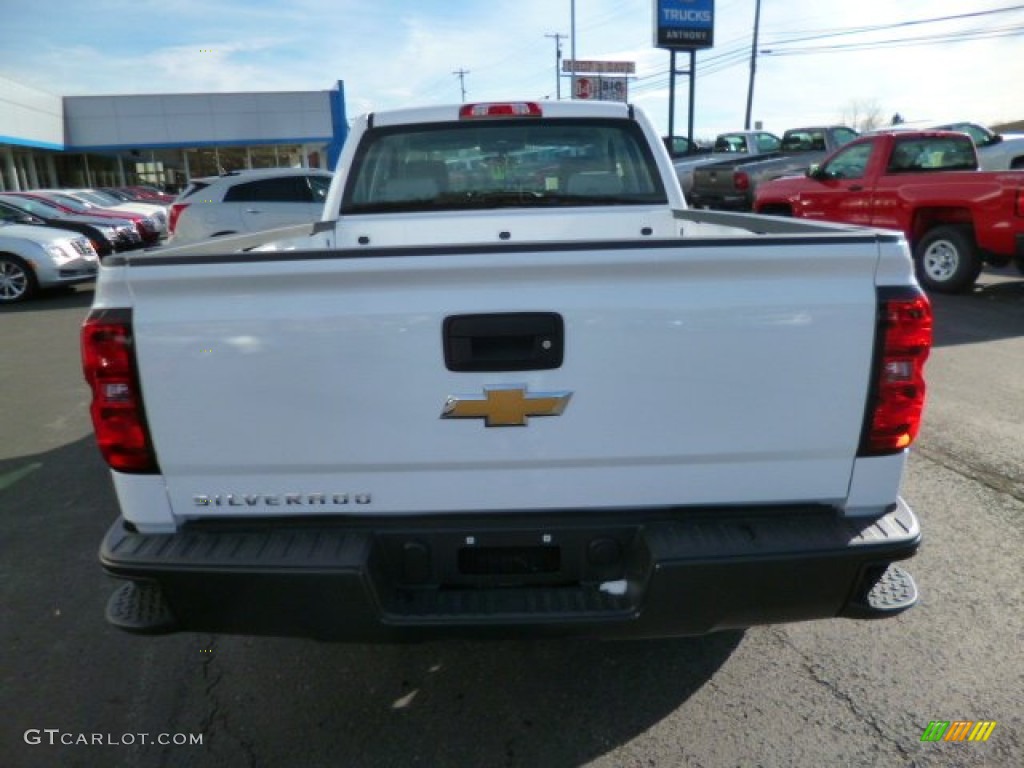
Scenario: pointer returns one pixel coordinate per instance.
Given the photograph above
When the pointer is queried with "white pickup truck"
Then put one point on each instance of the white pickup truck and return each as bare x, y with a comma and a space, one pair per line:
509, 385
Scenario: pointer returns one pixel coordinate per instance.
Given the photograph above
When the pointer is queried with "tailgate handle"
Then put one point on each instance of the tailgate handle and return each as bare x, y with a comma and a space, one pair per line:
510, 341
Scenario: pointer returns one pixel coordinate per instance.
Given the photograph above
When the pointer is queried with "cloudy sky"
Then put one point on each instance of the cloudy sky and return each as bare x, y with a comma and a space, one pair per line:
825, 56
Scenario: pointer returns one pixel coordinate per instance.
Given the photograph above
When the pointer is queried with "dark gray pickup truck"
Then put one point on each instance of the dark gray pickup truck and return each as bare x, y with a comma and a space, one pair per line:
731, 184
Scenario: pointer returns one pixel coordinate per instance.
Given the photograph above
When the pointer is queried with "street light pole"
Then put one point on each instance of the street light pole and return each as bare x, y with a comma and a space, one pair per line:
753, 65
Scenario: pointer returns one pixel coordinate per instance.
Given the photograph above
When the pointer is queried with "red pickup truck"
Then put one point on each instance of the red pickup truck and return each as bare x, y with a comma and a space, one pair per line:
923, 183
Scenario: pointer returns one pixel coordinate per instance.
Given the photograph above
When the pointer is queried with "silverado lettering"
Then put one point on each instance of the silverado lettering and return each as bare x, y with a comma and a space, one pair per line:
288, 499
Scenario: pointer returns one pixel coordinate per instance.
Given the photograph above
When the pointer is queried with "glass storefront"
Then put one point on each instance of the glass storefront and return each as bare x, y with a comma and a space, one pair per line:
201, 162
168, 169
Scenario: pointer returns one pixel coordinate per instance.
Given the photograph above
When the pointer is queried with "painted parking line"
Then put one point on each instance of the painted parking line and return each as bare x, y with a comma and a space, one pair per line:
9, 479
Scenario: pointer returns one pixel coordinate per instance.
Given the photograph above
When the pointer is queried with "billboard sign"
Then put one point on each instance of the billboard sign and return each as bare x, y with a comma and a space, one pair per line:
684, 24
600, 67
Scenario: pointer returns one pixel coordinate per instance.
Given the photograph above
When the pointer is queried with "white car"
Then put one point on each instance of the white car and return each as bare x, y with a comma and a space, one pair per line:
247, 201
32, 258
155, 211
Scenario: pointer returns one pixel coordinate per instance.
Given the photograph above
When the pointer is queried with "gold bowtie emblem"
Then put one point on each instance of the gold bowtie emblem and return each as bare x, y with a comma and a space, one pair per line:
505, 406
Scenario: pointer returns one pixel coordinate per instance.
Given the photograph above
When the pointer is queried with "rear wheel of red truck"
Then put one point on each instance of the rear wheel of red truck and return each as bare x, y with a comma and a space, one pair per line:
947, 259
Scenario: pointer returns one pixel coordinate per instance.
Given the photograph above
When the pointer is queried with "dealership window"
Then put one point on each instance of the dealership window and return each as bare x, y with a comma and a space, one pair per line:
277, 156
231, 159
263, 157
202, 162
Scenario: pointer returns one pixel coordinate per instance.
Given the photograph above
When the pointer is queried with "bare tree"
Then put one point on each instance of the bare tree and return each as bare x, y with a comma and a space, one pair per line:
863, 114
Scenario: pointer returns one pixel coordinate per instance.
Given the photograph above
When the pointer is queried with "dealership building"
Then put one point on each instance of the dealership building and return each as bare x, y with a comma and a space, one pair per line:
162, 139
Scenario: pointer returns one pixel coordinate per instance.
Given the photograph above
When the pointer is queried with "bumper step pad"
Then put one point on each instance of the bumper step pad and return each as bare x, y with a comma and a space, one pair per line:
892, 592
139, 607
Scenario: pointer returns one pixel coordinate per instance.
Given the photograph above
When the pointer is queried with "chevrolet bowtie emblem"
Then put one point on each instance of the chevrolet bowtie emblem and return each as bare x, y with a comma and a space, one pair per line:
505, 406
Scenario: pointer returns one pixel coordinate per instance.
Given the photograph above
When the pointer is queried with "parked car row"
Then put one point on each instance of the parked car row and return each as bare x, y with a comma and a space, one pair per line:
40, 226
107, 235
55, 237
148, 219
721, 181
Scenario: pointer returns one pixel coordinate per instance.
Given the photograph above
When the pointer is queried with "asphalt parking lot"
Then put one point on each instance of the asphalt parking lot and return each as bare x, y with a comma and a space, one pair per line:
827, 693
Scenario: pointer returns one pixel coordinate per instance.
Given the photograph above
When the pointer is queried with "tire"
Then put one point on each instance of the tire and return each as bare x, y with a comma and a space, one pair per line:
17, 281
776, 210
947, 259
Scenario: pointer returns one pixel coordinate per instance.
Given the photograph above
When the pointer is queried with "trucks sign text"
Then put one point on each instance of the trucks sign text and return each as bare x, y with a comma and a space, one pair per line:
684, 24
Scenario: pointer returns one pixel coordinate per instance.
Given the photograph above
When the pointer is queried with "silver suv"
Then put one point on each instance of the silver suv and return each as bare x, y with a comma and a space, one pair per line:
247, 201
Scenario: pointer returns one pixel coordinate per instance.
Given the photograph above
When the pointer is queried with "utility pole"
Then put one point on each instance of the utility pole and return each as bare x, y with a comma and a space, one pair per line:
753, 65
572, 41
461, 74
558, 64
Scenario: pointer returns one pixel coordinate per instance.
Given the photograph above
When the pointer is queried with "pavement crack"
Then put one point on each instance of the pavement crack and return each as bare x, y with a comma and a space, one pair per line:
972, 471
212, 675
813, 670
217, 718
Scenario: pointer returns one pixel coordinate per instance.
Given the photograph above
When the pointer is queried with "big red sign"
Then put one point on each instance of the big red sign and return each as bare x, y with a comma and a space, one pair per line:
585, 89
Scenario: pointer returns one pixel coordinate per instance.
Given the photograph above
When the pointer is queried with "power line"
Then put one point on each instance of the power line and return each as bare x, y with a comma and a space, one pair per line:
902, 42
824, 34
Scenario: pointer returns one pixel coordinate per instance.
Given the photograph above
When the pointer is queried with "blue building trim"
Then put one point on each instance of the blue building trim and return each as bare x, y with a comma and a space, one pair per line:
340, 122
31, 144
196, 144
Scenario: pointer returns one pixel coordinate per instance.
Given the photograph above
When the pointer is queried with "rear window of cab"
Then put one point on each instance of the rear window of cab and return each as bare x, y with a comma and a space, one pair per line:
503, 163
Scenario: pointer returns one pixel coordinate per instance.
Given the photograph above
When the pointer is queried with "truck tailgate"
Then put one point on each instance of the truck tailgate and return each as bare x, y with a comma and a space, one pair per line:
696, 373
716, 179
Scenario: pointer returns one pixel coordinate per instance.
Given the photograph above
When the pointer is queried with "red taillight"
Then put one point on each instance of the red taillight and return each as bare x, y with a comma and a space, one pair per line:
118, 418
741, 180
904, 341
172, 219
509, 109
